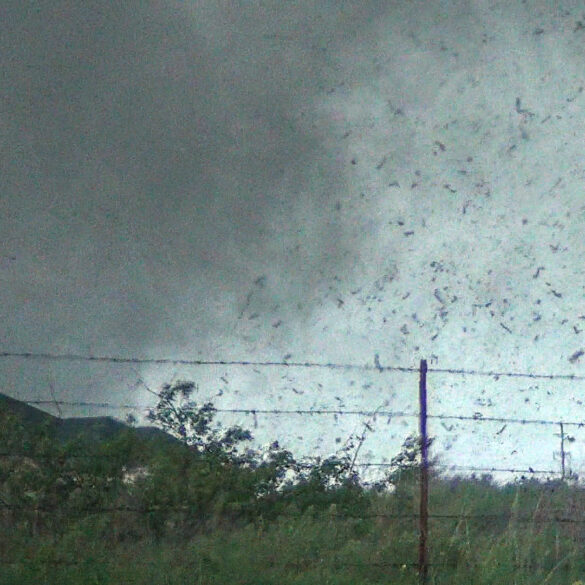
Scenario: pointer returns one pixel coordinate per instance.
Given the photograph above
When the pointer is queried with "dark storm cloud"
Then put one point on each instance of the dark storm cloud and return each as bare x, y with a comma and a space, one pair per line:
154, 157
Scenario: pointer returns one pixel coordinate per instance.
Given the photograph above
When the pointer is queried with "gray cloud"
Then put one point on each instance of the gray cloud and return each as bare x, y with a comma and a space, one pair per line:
156, 161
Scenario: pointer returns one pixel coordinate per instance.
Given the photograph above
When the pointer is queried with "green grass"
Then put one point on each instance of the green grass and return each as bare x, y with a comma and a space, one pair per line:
491, 536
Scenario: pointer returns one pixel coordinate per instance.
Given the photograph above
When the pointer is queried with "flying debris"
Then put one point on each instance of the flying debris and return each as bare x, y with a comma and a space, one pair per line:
437, 295
521, 110
377, 362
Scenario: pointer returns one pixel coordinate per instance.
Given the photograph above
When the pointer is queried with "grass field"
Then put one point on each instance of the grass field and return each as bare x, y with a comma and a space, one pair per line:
527, 533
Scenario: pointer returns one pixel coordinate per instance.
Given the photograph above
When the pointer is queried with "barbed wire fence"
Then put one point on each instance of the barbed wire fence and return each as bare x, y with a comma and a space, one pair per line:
423, 415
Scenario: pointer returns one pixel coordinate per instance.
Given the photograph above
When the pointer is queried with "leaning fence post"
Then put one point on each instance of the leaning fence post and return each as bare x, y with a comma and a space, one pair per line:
424, 477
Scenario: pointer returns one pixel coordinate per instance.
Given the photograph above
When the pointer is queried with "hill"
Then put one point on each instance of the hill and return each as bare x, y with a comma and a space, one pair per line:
92, 429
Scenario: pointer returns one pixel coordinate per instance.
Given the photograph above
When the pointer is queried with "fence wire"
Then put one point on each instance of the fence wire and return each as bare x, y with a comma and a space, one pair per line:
377, 366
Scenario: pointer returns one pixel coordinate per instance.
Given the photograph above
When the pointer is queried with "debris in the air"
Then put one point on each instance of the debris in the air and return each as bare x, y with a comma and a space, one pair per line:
377, 362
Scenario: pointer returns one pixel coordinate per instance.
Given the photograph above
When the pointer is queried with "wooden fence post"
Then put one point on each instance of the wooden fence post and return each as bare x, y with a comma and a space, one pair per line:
424, 477
563, 473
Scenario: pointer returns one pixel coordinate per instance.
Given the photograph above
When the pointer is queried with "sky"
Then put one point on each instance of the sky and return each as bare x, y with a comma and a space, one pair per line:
300, 181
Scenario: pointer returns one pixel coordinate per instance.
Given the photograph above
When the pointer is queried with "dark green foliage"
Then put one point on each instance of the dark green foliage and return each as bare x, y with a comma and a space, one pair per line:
139, 484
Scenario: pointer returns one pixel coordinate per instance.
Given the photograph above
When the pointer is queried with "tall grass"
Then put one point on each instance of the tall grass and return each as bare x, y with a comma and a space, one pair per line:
515, 534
